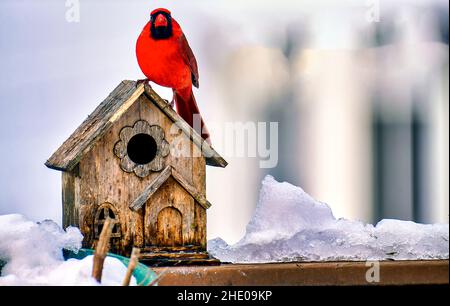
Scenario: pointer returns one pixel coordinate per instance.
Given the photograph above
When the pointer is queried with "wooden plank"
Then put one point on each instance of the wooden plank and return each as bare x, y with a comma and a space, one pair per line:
187, 261
182, 248
199, 174
200, 198
174, 255
96, 124
411, 272
154, 186
212, 157
68, 199
151, 189
200, 226
199, 182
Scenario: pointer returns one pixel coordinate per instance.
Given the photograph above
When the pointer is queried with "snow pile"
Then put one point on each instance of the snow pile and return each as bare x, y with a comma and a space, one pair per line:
289, 225
33, 255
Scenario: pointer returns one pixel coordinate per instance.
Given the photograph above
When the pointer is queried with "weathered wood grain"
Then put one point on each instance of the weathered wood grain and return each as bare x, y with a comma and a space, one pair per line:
108, 112
142, 127
134, 259
70, 198
198, 196
151, 189
101, 250
96, 124
104, 211
105, 182
212, 157
179, 261
178, 255
169, 227
156, 184
170, 194
342, 273
95, 176
161, 249
200, 226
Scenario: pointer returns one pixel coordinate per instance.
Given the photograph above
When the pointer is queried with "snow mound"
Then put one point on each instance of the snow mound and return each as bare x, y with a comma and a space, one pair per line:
33, 255
289, 225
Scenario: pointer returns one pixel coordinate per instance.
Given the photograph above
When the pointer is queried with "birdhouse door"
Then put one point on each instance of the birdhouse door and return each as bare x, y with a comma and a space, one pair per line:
169, 227
169, 217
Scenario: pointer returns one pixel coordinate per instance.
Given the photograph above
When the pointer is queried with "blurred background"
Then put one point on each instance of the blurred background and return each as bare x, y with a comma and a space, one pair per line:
360, 91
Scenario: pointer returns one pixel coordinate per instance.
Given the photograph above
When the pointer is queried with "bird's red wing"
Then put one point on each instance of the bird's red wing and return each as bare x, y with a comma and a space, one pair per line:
189, 59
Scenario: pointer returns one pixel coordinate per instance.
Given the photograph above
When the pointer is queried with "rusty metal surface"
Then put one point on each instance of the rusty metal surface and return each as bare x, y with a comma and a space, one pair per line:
324, 273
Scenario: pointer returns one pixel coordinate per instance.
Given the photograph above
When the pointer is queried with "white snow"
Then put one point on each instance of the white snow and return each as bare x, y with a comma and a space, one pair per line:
33, 255
289, 225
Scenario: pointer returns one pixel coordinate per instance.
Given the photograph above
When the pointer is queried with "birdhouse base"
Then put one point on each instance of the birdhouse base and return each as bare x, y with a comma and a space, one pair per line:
157, 257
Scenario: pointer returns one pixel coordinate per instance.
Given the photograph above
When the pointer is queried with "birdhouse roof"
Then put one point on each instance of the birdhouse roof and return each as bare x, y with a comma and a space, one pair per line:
169, 171
107, 113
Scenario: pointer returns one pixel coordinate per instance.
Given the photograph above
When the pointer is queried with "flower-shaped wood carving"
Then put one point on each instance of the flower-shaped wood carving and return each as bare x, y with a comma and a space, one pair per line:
142, 148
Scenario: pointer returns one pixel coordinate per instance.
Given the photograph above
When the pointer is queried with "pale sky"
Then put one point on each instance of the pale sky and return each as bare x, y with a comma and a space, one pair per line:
54, 73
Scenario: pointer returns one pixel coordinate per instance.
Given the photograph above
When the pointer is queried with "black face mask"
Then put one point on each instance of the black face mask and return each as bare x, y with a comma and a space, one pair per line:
161, 32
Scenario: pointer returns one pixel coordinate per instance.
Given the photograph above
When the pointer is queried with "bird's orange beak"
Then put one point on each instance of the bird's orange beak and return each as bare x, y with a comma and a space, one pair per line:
160, 21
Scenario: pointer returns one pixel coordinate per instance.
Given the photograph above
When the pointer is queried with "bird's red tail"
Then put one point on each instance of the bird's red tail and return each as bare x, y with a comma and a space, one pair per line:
188, 110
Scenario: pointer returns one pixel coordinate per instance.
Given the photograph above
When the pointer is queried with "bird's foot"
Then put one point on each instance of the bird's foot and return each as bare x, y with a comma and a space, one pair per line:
142, 81
172, 104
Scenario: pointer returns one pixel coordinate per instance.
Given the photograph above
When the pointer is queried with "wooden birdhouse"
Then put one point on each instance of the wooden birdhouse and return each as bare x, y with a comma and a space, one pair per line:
136, 161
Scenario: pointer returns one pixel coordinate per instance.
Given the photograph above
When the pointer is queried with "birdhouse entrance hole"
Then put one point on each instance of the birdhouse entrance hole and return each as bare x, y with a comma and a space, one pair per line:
142, 148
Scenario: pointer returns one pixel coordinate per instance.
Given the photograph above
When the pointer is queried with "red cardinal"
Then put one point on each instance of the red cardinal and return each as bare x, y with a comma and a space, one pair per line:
164, 55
